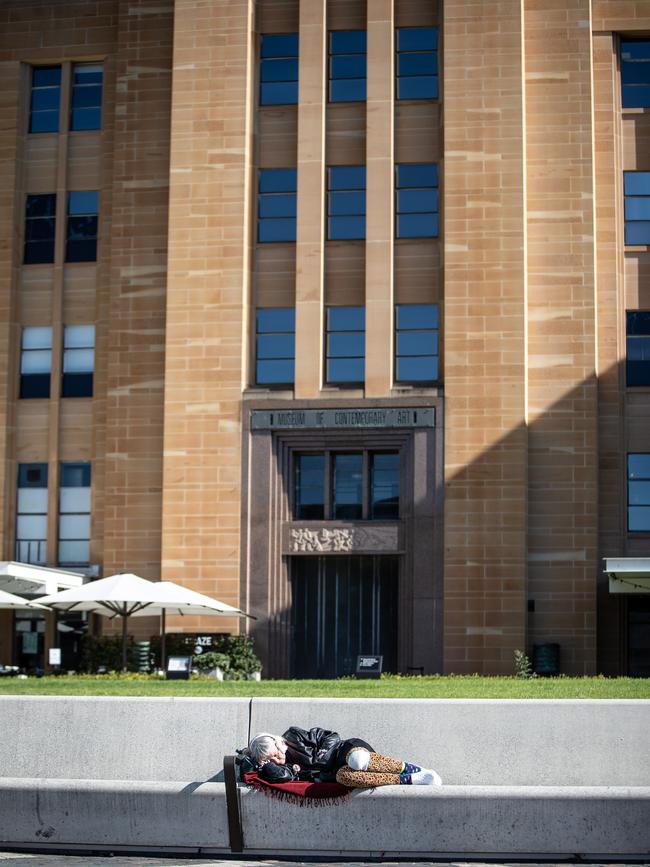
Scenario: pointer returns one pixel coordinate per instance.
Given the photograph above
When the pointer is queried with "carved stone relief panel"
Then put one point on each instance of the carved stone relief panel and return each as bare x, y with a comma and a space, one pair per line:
298, 539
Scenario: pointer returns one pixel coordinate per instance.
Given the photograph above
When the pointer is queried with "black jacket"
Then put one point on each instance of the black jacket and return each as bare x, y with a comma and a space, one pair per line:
316, 751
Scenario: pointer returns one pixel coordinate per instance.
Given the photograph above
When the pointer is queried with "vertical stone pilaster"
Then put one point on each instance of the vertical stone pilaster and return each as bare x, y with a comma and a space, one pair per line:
485, 342
207, 298
562, 316
379, 198
310, 235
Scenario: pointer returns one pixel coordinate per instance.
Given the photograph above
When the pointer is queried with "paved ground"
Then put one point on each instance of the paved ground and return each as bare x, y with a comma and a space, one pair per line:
14, 859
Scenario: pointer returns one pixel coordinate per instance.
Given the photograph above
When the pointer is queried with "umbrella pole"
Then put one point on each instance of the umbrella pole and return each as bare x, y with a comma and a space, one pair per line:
124, 620
163, 642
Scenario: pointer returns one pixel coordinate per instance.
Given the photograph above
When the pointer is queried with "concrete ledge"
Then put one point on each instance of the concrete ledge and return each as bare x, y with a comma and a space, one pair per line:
457, 820
107, 813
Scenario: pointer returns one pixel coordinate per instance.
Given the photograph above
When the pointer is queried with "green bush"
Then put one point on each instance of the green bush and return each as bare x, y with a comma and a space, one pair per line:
523, 666
105, 651
238, 649
205, 662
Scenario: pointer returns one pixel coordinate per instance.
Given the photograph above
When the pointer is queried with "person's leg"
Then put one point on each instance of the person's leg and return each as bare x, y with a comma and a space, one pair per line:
365, 769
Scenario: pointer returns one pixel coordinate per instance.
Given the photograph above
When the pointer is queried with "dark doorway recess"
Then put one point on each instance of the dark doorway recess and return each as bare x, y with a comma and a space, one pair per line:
638, 635
343, 607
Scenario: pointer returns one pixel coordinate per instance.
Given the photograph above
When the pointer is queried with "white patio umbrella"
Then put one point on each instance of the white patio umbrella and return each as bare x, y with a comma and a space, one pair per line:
11, 601
128, 595
124, 594
182, 601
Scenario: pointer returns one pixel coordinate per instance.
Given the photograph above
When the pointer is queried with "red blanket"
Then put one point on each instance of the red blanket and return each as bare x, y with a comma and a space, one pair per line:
304, 794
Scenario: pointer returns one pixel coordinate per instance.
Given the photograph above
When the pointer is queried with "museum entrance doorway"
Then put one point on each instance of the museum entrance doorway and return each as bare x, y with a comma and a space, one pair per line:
343, 607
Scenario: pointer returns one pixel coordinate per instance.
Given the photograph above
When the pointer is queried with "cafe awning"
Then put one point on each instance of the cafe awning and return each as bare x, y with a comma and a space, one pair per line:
628, 574
27, 580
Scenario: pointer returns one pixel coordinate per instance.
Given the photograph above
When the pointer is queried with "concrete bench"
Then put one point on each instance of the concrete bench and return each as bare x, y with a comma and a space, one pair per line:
522, 778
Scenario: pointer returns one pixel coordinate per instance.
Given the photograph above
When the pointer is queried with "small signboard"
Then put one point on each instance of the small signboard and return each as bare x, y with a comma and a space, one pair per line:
179, 667
54, 656
369, 665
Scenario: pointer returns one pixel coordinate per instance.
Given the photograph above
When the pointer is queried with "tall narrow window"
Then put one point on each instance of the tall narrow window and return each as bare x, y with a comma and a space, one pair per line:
86, 103
275, 345
417, 63
346, 202
635, 73
276, 205
31, 514
638, 347
347, 66
83, 210
309, 487
35, 362
40, 223
416, 200
279, 69
45, 99
384, 485
416, 343
638, 493
347, 487
74, 514
78, 360
346, 345
637, 207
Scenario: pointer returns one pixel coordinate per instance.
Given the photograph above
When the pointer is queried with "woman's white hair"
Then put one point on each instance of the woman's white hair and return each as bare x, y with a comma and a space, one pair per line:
263, 744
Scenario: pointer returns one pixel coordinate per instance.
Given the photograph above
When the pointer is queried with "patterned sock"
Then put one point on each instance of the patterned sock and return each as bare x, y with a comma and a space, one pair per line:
410, 768
405, 779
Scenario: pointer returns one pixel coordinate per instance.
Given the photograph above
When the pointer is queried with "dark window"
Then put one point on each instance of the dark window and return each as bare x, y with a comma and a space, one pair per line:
416, 343
347, 62
81, 244
384, 485
31, 514
309, 487
635, 74
417, 63
416, 200
45, 99
346, 345
78, 360
637, 207
346, 202
35, 362
638, 493
86, 104
279, 69
74, 514
276, 204
638, 347
275, 345
40, 223
347, 488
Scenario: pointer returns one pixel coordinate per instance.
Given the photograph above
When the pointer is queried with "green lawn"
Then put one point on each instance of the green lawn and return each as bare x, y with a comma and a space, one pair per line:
387, 687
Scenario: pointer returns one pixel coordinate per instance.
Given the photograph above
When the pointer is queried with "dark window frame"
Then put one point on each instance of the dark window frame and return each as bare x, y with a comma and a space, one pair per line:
354, 87
64, 483
337, 189
265, 198
631, 88
31, 550
38, 90
402, 212
266, 67
84, 248
329, 456
330, 356
38, 246
80, 93
402, 78
78, 383
260, 358
35, 386
630, 198
644, 480
402, 330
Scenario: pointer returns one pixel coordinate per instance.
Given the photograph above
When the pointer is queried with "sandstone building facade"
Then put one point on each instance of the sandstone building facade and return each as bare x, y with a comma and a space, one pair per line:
335, 309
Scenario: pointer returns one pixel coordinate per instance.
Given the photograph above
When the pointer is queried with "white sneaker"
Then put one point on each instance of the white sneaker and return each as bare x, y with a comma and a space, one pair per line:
425, 777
